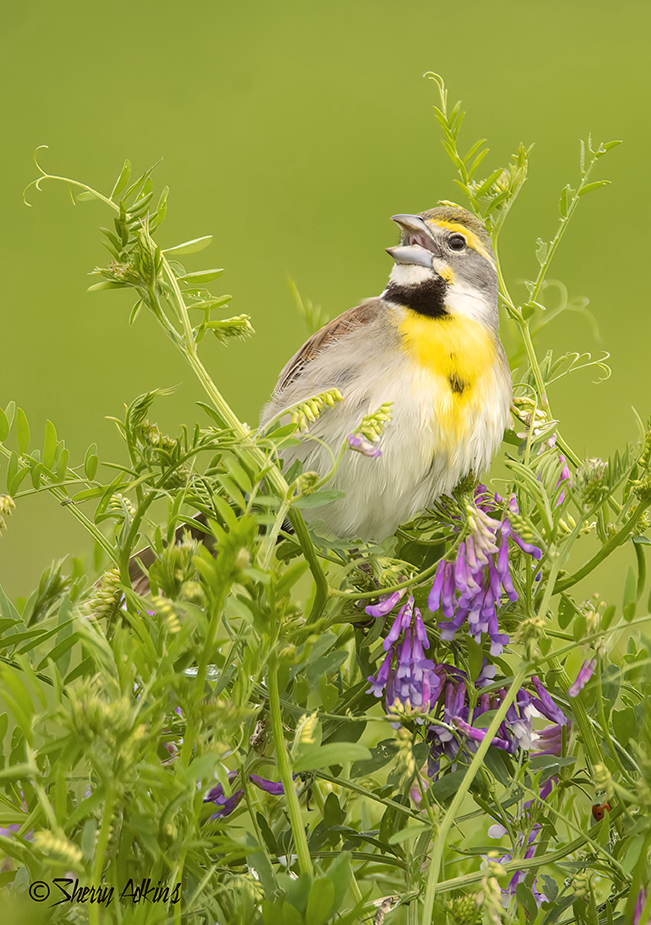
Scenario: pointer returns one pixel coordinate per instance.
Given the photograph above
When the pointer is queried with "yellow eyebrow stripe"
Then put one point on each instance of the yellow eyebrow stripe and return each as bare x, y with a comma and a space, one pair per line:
470, 236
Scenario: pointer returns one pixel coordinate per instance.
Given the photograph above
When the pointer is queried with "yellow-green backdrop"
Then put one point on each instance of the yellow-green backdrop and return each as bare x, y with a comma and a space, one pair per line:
292, 131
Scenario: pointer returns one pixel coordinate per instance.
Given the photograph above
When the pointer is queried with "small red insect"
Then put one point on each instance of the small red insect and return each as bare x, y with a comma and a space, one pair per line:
599, 810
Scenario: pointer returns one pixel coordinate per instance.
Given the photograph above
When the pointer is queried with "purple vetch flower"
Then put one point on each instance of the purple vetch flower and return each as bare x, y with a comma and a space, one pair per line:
548, 741
545, 705
408, 679
228, 804
269, 786
585, 673
379, 681
478, 735
515, 733
470, 589
385, 605
360, 444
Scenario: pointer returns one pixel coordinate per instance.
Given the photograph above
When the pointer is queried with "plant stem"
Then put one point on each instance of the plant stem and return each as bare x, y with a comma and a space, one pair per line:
604, 552
285, 769
100, 849
450, 816
320, 580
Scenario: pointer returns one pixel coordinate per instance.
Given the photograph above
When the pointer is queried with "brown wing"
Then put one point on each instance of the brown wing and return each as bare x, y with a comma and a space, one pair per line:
340, 326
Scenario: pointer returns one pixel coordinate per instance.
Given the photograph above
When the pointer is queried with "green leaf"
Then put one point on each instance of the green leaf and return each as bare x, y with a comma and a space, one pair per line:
382, 754
566, 612
321, 901
590, 186
189, 247
325, 496
10, 412
267, 834
50, 444
563, 203
86, 196
630, 594
332, 812
312, 757
201, 276
625, 725
106, 284
15, 474
607, 146
475, 658
22, 431
607, 618
339, 873
4, 426
580, 627
62, 464
411, 831
291, 915
122, 180
525, 898
447, 785
91, 461
135, 311
329, 694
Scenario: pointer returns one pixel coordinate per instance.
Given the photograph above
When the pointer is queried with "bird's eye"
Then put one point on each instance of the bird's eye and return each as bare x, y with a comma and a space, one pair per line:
457, 242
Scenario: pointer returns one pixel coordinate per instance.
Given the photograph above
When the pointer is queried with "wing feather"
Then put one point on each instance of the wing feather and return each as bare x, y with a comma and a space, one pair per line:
339, 327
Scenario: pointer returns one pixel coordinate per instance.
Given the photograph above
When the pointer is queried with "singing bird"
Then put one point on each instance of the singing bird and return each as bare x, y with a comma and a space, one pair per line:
429, 344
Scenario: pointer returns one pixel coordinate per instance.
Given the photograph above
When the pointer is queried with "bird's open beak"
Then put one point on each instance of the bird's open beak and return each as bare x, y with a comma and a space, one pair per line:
417, 245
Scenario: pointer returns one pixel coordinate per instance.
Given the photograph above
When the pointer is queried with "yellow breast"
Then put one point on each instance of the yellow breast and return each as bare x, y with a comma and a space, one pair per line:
459, 354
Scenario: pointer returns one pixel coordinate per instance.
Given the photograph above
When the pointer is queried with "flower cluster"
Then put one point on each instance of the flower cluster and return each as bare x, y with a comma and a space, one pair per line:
412, 682
470, 588
414, 685
367, 435
516, 732
228, 804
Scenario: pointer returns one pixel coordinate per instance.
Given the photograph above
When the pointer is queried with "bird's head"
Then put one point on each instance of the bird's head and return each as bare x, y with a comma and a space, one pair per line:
444, 265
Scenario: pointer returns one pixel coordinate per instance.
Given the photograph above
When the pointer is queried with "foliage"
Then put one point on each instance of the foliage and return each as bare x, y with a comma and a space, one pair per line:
136, 723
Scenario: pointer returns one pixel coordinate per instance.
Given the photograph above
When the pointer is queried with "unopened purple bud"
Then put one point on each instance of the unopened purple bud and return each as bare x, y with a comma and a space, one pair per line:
385, 606
546, 705
421, 633
435, 594
447, 603
478, 735
529, 548
585, 673
378, 682
269, 786
401, 623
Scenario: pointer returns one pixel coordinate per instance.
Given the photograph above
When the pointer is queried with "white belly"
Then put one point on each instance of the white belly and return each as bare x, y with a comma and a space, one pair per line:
422, 458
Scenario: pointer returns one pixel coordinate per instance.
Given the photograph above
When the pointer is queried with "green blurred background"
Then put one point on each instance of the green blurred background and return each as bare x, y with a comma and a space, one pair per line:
292, 131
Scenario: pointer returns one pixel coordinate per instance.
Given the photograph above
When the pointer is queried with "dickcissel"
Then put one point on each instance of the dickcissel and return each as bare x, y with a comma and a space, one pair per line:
428, 344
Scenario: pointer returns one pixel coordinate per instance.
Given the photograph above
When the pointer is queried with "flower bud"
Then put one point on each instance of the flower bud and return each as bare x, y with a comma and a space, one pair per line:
589, 481
603, 779
58, 850
107, 596
464, 910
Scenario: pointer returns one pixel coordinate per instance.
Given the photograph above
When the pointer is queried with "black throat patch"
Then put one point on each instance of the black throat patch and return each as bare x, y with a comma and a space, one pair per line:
427, 298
